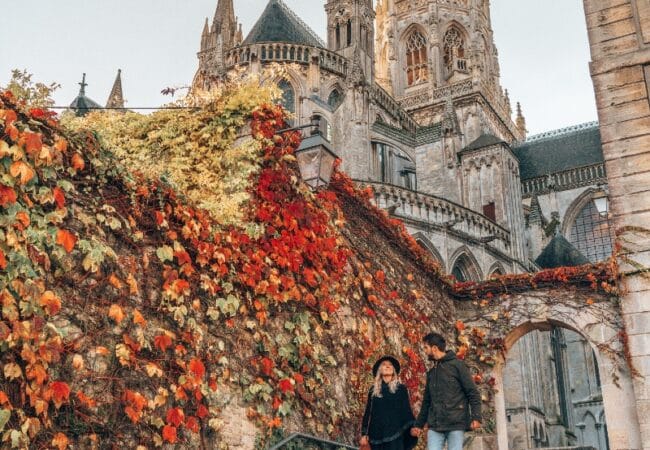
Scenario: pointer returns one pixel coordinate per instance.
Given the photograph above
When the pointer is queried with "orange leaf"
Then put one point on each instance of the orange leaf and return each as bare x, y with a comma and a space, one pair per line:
103, 351
78, 162
169, 434
162, 342
66, 239
192, 424
175, 416
115, 281
7, 195
3, 398
60, 392
50, 302
116, 313
138, 318
23, 218
85, 400
33, 142
22, 170
3, 260
59, 197
60, 441
61, 145
36, 372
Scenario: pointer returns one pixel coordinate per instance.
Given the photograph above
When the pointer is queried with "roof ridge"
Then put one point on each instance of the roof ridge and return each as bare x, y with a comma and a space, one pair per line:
562, 131
300, 22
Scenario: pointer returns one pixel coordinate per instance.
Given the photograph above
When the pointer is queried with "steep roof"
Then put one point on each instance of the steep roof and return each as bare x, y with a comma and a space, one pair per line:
116, 97
560, 253
278, 23
560, 150
484, 140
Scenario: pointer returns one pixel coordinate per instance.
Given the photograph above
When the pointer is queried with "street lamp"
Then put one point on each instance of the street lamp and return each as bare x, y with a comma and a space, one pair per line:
601, 201
315, 155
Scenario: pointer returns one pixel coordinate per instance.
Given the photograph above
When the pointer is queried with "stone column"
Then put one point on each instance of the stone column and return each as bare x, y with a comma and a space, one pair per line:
619, 36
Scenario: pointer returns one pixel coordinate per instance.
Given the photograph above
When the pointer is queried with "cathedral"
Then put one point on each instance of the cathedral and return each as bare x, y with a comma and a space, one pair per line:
408, 94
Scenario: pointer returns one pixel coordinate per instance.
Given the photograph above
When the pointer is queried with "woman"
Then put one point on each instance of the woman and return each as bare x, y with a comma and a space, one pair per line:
388, 418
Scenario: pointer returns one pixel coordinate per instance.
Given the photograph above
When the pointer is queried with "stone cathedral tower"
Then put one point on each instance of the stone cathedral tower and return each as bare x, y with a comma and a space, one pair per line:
429, 50
351, 32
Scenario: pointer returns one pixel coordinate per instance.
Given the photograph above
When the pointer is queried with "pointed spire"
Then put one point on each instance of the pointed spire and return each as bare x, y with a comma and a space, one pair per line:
225, 24
535, 216
521, 121
450, 123
116, 97
508, 104
83, 84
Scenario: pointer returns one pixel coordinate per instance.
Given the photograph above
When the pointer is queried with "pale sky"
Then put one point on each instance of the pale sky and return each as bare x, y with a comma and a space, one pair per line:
543, 48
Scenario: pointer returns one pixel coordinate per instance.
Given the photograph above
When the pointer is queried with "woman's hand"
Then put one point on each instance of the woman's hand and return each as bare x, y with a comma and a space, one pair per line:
364, 440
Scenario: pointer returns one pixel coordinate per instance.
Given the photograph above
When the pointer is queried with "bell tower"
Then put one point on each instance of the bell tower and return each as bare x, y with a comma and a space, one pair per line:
351, 32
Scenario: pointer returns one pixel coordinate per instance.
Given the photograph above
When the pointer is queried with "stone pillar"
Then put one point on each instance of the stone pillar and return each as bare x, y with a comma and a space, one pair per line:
619, 36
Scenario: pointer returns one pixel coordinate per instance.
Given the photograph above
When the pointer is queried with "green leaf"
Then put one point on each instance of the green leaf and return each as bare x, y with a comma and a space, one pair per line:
165, 253
5, 414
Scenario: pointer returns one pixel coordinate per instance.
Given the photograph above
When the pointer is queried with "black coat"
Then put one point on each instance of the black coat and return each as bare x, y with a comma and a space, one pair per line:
450, 400
389, 417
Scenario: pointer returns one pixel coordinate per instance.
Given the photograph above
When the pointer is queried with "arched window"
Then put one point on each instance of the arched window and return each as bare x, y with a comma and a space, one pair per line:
324, 127
591, 234
338, 36
417, 69
335, 98
288, 96
349, 32
465, 270
454, 48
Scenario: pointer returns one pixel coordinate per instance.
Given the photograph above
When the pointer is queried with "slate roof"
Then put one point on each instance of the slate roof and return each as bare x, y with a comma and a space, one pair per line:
278, 23
560, 253
484, 140
82, 104
560, 150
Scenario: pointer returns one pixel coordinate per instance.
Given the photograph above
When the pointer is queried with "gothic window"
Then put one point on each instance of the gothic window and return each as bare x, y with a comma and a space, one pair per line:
338, 36
349, 32
379, 161
417, 69
324, 127
454, 48
591, 234
335, 98
288, 100
464, 269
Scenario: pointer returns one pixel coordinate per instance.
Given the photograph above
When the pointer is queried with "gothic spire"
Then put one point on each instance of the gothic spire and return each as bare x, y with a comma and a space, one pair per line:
116, 98
224, 24
83, 84
521, 121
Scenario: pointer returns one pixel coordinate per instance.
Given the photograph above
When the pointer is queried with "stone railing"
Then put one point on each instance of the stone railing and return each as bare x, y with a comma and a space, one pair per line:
432, 211
286, 52
390, 105
427, 96
565, 180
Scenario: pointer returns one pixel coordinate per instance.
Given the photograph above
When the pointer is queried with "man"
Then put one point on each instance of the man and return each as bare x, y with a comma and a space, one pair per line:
451, 403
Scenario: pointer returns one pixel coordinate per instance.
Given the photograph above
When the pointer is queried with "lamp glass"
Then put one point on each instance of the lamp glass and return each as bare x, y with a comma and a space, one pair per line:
601, 205
309, 162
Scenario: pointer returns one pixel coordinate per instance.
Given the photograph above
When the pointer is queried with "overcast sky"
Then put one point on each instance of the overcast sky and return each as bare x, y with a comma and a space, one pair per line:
542, 44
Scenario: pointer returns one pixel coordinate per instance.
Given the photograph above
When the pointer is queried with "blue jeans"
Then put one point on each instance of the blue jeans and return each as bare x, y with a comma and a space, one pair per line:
436, 440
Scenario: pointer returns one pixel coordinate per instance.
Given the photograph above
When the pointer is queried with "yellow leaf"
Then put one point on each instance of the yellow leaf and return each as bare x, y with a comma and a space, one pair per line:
22, 170
78, 362
12, 371
153, 370
133, 284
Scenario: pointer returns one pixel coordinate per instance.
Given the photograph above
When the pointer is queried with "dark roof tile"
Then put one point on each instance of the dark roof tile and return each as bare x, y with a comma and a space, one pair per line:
560, 253
279, 24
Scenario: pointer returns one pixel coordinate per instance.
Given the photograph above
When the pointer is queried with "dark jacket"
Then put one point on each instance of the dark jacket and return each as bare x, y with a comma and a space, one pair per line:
389, 417
450, 400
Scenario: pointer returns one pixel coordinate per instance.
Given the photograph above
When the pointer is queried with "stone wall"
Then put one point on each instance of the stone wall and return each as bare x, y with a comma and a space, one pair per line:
619, 35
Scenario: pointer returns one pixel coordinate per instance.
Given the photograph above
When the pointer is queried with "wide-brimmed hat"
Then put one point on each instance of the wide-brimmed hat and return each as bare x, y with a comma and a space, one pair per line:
392, 360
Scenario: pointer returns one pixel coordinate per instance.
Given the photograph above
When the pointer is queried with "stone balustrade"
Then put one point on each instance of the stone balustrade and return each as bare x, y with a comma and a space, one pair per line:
432, 211
390, 105
565, 180
286, 52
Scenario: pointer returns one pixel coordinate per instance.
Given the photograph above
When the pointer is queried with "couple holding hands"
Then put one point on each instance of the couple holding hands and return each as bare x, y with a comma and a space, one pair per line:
451, 403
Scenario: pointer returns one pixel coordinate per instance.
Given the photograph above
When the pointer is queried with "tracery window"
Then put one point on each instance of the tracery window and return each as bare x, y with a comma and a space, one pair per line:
335, 98
417, 69
288, 100
591, 234
454, 47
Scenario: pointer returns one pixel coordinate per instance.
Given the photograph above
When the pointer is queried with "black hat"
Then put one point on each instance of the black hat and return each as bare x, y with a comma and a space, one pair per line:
392, 360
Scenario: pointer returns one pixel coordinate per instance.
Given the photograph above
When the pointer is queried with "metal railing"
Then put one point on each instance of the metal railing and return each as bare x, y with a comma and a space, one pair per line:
300, 441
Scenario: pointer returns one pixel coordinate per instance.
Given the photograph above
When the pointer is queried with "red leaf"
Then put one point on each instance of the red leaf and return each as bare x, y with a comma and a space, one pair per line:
3, 260
59, 197
175, 416
33, 143
169, 434
7, 195
285, 385
202, 412
162, 342
192, 424
267, 366
60, 392
197, 368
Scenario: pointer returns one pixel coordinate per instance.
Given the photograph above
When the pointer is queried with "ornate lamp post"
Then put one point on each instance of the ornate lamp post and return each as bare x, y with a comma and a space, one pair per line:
315, 155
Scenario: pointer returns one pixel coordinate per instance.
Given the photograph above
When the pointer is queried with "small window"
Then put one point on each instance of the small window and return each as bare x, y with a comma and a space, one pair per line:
489, 211
335, 98
324, 128
349, 32
338, 36
288, 100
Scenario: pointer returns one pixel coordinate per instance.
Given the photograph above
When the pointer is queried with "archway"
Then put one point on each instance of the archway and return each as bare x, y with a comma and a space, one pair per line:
598, 325
464, 266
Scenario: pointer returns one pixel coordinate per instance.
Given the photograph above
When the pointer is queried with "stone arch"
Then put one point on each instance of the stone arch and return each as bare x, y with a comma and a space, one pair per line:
325, 123
574, 210
496, 269
424, 241
465, 263
415, 62
454, 46
543, 315
335, 96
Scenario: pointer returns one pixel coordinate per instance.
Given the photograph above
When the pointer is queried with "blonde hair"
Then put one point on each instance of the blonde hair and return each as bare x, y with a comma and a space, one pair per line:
392, 385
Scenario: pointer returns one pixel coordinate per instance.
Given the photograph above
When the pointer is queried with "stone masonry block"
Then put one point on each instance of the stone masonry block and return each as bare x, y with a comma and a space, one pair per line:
610, 15
637, 323
639, 344
636, 301
592, 6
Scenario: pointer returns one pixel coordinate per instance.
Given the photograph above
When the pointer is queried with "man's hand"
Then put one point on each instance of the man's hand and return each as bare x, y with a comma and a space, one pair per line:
415, 432
364, 440
475, 425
